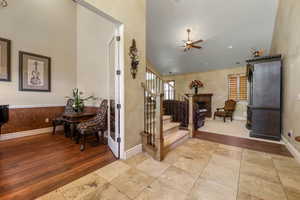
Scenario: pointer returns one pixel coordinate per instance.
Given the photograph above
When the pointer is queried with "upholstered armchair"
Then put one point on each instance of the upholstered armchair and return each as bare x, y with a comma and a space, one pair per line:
226, 111
60, 120
94, 126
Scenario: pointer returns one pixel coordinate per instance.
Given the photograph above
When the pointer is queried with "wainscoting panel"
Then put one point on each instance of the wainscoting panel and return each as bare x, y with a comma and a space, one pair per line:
24, 119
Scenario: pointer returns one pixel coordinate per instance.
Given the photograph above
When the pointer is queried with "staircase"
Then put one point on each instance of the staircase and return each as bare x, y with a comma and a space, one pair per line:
172, 133
164, 130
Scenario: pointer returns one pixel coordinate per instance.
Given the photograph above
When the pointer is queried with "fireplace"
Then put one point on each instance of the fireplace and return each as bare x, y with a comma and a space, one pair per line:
204, 101
202, 105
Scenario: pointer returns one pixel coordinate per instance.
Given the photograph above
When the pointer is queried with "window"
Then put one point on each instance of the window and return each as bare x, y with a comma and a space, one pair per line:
152, 82
169, 90
238, 87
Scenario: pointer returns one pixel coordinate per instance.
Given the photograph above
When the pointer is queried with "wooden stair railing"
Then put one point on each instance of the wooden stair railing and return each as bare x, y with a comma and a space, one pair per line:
163, 132
152, 137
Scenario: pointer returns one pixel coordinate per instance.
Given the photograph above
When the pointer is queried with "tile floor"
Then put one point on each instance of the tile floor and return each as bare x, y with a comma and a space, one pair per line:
196, 170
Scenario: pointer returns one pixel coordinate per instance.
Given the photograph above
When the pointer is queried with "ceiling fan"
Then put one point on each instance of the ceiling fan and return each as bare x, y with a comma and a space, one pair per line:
189, 44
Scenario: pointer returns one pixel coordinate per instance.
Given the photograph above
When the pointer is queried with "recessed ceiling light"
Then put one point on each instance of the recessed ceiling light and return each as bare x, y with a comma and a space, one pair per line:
230, 47
238, 63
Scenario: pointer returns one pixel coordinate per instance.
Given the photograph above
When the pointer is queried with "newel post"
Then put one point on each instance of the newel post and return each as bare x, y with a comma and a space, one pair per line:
191, 115
159, 138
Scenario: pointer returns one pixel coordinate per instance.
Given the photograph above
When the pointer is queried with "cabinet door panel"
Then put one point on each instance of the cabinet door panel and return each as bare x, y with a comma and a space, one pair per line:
267, 84
266, 122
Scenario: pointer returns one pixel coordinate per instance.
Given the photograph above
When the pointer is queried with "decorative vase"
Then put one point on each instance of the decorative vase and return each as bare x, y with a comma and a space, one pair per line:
196, 90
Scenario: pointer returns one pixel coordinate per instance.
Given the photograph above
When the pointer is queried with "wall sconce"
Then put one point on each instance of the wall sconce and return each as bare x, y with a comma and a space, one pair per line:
3, 3
133, 53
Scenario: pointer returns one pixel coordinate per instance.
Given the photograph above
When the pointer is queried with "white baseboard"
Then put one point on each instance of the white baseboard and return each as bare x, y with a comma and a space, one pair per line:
239, 118
234, 118
292, 149
133, 151
10, 136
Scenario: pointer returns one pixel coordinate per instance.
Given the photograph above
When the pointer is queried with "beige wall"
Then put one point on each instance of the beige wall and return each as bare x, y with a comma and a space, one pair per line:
93, 35
51, 30
286, 41
215, 82
46, 28
132, 14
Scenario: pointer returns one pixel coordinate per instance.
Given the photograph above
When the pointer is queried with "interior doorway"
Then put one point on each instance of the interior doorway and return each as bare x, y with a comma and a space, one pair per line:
115, 80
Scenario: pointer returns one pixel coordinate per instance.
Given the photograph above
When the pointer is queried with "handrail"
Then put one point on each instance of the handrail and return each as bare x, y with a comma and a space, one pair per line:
152, 94
149, 69
166, 82
159, 76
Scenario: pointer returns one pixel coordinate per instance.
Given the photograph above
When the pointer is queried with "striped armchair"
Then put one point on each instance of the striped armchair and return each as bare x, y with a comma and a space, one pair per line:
94, 126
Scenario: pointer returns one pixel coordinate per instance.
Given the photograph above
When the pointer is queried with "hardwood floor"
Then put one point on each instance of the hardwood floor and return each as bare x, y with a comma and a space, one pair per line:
256, 145
33, 166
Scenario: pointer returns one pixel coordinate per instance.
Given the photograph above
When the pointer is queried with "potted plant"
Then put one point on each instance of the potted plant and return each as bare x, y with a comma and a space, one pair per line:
196, 84
78, 105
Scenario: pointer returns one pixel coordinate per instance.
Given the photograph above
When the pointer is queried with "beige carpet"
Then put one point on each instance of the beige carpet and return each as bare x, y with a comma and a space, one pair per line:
235, 128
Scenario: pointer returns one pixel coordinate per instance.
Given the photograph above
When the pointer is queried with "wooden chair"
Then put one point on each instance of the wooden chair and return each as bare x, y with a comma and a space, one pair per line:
94, 126
60, 120
226, 111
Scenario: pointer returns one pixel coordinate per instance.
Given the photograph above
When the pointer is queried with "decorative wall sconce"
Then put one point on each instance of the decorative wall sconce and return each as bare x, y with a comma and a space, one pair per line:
3, 3
133, 53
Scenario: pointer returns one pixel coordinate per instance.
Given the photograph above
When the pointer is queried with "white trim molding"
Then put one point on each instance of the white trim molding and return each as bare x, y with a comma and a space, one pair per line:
21, 134
292, 149
133, 151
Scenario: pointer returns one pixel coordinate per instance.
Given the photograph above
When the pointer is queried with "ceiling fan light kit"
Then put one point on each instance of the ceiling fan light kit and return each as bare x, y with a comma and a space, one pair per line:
189, 44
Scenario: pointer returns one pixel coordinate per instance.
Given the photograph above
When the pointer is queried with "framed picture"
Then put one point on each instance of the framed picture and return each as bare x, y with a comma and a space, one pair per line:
5, 64
35, 72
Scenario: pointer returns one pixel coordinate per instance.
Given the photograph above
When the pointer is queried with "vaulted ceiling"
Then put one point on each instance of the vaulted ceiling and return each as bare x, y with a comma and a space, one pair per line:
229, 29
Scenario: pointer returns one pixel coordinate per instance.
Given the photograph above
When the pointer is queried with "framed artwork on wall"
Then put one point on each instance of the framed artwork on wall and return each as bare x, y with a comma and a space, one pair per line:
5, 62
34, 72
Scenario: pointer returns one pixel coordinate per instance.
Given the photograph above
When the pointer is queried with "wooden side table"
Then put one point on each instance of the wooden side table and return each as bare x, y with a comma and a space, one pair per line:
75, 118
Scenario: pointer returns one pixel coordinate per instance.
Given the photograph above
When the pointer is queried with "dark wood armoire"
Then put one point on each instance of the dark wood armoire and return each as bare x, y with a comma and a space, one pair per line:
265, 97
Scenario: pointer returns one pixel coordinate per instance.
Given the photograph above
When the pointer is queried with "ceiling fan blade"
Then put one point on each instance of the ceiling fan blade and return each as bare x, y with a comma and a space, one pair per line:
198, 41
197, 47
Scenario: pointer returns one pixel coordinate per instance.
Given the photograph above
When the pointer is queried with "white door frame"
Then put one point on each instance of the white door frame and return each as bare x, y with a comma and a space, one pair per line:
120, 32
